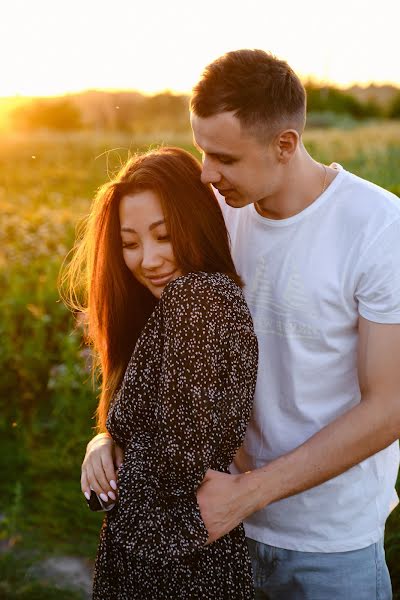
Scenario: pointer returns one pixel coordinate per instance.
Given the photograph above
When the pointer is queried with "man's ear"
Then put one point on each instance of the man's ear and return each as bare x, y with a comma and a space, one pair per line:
286, 144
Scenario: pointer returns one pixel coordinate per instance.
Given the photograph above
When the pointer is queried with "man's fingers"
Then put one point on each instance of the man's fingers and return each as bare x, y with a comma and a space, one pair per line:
220, 503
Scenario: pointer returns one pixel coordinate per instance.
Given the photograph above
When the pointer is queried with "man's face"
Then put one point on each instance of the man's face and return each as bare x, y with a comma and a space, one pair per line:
235, 162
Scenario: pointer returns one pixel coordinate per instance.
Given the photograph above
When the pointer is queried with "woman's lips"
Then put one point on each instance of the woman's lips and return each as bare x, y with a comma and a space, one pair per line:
160, 279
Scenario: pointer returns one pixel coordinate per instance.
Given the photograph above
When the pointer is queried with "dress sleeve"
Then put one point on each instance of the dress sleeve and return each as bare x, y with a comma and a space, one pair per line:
194, 378
204, 402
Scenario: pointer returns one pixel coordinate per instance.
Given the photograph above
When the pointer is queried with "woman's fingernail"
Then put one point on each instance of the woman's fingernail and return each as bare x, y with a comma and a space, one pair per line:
113, 484
104, 497
87, 495
112, 495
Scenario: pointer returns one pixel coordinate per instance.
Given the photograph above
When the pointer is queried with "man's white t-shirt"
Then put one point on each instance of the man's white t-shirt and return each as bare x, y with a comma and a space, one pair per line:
307, 280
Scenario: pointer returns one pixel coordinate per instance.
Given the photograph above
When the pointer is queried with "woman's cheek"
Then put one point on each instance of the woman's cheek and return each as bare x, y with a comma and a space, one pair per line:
131, 260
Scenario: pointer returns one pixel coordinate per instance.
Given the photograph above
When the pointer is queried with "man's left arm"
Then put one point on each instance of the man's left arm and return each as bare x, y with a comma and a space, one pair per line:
226, 500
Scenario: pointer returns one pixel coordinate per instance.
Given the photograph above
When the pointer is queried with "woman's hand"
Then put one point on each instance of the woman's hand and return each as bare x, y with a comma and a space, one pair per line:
99, 466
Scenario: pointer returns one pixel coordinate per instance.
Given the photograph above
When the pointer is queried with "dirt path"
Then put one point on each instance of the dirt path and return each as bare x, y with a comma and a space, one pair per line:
65, 572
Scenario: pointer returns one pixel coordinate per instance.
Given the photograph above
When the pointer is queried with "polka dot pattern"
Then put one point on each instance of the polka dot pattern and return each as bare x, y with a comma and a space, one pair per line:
182, 408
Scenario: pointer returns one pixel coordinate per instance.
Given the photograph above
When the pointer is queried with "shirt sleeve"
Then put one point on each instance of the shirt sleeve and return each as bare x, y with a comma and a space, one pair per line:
378, 285
204, 403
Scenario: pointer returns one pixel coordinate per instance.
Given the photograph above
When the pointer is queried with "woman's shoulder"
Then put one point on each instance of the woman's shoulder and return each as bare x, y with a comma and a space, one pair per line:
200, 285
211, 297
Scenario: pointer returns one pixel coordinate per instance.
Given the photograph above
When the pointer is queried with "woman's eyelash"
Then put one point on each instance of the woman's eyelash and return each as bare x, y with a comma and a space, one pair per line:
160, 238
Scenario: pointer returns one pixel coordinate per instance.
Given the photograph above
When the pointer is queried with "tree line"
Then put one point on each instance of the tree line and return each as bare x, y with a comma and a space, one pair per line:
136, 113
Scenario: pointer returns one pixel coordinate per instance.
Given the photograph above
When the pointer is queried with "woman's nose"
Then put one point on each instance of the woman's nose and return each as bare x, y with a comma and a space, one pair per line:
151, 257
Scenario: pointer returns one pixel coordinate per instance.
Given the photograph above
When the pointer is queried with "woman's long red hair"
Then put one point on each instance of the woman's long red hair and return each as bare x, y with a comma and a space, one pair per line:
97, 282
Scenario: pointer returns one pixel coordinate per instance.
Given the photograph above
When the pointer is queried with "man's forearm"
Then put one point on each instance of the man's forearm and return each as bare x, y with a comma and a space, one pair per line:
364, 430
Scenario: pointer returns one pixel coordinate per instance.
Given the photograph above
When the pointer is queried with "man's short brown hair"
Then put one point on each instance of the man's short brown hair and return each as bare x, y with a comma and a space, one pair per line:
263, 92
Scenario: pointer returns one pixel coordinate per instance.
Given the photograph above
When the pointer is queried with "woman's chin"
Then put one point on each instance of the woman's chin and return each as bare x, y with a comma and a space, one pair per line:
157, 289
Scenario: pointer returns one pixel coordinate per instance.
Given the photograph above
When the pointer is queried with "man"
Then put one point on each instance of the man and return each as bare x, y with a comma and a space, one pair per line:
319, 251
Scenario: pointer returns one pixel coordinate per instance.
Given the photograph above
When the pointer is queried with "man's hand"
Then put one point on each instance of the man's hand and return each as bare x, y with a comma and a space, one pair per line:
373, 424
99, 466
225, 501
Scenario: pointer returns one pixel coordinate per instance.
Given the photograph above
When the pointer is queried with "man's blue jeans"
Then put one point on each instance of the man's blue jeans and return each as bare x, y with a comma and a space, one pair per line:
291, 575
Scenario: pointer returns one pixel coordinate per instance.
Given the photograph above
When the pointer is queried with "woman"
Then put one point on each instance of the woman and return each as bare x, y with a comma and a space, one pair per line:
178, 358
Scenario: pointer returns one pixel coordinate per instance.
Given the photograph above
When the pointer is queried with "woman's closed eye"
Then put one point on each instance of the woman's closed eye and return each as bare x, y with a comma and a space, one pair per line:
132, 245
129, 245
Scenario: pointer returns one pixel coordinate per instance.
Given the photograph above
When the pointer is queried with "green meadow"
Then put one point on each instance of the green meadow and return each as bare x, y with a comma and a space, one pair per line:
47, 400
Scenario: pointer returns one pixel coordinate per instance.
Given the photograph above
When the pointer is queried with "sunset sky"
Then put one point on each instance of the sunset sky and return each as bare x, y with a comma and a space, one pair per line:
51, 47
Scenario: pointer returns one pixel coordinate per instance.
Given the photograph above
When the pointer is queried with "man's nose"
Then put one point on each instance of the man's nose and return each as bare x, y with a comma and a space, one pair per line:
209, 172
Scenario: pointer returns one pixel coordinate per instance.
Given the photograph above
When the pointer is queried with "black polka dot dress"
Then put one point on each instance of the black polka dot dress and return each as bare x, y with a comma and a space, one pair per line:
182, 408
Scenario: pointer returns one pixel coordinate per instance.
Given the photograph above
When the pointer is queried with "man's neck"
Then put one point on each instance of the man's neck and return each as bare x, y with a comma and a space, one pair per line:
306, 180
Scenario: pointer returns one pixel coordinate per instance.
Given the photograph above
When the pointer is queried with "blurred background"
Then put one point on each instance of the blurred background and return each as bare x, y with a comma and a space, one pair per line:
83, 85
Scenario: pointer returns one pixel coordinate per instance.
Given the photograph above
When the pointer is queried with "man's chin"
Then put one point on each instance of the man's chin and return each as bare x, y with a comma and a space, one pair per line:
235, 202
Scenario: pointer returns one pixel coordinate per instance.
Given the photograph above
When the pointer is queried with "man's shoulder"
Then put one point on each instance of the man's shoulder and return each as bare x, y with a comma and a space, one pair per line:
367, 193
364, 203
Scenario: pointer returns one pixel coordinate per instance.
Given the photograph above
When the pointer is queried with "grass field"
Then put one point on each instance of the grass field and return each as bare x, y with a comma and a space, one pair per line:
46, 399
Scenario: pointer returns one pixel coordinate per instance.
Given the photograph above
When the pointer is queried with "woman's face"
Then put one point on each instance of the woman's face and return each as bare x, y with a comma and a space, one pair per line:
146, 245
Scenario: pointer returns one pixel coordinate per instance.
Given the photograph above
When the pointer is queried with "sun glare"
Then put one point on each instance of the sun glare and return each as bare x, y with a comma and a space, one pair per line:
64, 47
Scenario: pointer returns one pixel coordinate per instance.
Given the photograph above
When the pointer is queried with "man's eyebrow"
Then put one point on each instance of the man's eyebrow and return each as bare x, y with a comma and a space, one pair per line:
217, 154
222, 155
152, 226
